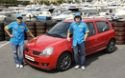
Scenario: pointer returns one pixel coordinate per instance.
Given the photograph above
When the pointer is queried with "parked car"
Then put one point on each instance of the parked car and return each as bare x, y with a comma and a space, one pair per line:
53, 51
44, 15
63, 15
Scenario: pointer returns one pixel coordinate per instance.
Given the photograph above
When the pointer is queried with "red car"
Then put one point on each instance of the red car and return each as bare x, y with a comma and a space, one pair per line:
53, 51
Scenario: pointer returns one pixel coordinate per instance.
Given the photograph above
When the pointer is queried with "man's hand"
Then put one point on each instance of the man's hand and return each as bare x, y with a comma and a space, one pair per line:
84, 39
34, 38
68, 38
11, 35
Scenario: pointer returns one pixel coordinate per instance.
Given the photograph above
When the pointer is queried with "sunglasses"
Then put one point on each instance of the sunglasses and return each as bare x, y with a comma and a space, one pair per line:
19, 18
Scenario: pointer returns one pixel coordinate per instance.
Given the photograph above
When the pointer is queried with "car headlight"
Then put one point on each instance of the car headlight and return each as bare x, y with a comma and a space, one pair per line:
47, 51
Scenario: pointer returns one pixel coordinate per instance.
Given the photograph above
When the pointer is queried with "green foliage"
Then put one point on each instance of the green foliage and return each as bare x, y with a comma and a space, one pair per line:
8, 1
12, 2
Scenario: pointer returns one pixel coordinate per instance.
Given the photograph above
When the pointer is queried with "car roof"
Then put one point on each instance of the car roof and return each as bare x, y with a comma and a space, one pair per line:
87, 19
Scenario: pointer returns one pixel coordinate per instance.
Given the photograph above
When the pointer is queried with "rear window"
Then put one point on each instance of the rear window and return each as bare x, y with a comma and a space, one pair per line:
102, 26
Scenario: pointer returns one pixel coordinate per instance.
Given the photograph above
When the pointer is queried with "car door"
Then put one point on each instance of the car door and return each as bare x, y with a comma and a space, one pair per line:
102, 34
91, 42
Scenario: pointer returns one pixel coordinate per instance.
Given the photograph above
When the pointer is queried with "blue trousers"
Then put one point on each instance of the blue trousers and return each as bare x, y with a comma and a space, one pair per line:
79, 54
18, 53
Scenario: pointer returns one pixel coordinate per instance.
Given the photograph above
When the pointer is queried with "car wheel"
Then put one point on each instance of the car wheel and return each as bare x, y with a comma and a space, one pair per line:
64, 62
111, 46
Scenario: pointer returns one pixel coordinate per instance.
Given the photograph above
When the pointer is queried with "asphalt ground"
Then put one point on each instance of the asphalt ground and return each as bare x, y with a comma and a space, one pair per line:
99, 65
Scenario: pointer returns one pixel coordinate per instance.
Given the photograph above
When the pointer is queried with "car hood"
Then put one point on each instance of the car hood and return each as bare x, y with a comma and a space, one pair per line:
44, 41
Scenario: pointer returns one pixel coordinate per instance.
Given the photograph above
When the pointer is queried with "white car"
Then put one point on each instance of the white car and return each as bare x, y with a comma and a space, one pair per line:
44, 15
62, 16
2, 17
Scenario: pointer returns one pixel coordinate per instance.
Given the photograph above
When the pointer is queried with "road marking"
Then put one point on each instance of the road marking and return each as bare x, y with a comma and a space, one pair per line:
4, 44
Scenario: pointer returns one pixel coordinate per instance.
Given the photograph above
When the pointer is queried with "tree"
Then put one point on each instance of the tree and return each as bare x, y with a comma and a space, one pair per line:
8, 2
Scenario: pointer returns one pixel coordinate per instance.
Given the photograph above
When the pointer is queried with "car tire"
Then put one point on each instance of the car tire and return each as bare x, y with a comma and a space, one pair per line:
111, 46
64, 62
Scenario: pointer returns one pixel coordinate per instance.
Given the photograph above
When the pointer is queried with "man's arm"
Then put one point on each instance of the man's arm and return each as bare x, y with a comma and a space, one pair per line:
86, 35
29, 32
7, 31
68, 35
86, 32
70, 30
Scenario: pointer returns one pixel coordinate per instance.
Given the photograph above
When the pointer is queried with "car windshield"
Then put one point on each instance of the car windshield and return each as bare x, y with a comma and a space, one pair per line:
59, 30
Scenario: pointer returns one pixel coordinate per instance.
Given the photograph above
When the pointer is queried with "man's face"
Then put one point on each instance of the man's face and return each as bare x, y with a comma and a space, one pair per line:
77, 19
19, 19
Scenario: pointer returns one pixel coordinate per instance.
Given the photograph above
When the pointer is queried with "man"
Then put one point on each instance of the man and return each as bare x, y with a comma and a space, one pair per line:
80, 32
18, 29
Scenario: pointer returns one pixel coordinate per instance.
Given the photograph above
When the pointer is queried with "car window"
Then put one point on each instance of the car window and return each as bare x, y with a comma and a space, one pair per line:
102, 26
91, 28
59, 30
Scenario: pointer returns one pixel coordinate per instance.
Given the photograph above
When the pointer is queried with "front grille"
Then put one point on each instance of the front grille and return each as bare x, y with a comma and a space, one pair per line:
36, 53
33, 62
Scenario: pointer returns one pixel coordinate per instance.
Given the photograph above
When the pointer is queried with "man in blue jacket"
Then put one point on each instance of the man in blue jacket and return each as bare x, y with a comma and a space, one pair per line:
80, 32
18, 29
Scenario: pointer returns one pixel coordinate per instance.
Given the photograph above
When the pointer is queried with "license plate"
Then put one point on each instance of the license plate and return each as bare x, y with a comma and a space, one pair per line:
29, 57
